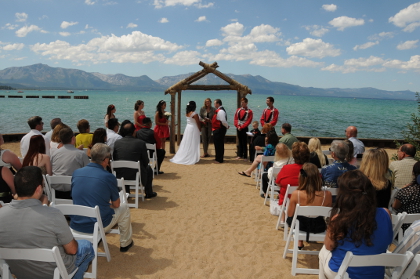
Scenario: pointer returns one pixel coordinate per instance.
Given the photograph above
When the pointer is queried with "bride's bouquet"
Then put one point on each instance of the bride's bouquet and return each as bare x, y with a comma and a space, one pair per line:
167, 114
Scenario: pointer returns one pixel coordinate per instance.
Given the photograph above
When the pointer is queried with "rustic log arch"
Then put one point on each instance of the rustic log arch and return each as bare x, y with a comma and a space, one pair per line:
186, 84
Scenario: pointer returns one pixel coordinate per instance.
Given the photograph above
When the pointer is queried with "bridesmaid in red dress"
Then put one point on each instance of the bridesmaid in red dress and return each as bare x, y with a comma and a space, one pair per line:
139, 115
161, 128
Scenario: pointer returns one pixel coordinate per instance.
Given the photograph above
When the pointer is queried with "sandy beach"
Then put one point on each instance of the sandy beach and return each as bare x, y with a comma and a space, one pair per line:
206, 222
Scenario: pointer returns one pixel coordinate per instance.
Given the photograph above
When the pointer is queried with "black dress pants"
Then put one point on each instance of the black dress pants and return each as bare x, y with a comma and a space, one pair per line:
219, 143
242, 148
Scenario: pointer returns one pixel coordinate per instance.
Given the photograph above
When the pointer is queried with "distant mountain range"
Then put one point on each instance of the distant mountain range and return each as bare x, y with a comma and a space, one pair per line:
41, 76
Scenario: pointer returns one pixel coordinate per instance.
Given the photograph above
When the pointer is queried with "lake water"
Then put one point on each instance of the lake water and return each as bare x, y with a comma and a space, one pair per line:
308, 115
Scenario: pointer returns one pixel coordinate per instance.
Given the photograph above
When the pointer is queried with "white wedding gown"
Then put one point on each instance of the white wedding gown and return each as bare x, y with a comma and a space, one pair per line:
189, 150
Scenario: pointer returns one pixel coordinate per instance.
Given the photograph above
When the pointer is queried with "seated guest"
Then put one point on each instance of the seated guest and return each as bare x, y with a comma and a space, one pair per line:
36, 155
259, 139
330, 173
98, 136
282, 157
54, 122
271, 141
149, 136
112, 132
7, 187
289, 174
356, 224
375, 166
287, 138
408, 198
130, 148
66, 160
8, 158
350, 158
36, 125
402, 169
318, 158
93, 185
85, 137
309, 193
351, 135
55, 137
255, 132
39, 227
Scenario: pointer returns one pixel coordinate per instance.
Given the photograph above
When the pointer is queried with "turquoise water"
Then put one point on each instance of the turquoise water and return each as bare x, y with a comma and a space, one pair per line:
309, 116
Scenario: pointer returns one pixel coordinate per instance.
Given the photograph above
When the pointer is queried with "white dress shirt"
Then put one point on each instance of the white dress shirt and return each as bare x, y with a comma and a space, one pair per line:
25, 141
112, 137
221, 116
359, 147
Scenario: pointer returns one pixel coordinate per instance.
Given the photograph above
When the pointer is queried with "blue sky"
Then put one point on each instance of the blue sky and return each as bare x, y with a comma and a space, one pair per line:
346, 44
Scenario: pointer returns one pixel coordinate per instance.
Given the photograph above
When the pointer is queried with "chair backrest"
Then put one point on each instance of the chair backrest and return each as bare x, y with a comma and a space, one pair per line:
36, 254
326, 152
333, 191
267, 159
400, 261
275, 172
397, 221
411, 218
412, 268
312, 210
151, 146
128, 165
58, 179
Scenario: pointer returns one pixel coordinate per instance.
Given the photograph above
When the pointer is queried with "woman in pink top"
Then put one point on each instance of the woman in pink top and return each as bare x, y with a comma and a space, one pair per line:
289, 174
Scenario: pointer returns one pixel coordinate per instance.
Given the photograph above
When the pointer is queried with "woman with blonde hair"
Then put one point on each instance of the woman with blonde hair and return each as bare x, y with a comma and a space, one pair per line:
309, 193
374, 165
206, 114
282, 157
317, 156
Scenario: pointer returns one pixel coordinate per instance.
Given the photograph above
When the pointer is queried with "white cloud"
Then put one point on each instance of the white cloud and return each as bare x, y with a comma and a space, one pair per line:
408, 18
233, 29
10, 26
163, 20
66, 24
183, 58
22, 32
214, 42
167, 3
329, 7
313, 48
316, 30
364, 62
201, 18
19, 58
21, 17
412, 64
64, 34
365, 45
131, 25
407, 45
43, 17
381, 36
89, 2
132, 48
12, 46
234, 19
344, 22
259, 34
87, 26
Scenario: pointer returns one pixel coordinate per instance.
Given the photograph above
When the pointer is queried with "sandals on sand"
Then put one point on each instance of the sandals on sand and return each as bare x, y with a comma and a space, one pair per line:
244, 174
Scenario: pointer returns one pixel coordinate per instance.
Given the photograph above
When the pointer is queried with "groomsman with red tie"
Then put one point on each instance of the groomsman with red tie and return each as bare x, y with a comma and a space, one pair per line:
219, 127
242, 119
270, 114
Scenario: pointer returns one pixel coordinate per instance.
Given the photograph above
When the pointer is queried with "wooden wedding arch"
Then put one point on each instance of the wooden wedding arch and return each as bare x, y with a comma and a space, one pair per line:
186, 84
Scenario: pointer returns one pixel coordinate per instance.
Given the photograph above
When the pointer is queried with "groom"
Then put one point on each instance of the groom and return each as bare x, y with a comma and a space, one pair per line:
219, 126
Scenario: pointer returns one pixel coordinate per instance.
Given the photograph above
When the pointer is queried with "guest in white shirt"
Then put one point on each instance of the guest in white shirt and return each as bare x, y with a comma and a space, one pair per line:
111, 133
36, 125
53, 123
358, 146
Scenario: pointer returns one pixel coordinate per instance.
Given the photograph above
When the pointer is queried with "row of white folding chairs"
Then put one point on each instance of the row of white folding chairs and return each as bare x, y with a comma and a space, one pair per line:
153, 163
261, 171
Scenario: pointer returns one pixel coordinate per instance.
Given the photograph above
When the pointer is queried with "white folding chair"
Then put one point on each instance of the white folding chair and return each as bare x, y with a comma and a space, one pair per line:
400, 261
261, 166
36, 254
391, 200
406, 219
123, 193
153, 163
47, 188
297, 235
283, 210
326, 152
58, 179
95, 238
272, 187
397, 221
412, 268
333, 191
134, 184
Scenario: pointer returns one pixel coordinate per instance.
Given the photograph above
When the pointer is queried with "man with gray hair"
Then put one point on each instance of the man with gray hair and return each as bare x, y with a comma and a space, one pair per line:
330, 173
93, 185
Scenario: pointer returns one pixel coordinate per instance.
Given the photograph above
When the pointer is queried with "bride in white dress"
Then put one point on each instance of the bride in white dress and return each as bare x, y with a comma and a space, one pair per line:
189, 150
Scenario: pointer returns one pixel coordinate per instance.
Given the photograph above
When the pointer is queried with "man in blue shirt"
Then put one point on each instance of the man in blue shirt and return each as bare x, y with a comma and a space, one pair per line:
93, 185
330, 173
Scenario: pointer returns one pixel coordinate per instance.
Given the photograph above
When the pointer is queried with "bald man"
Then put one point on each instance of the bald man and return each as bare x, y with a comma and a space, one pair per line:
351, 134
402, 170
